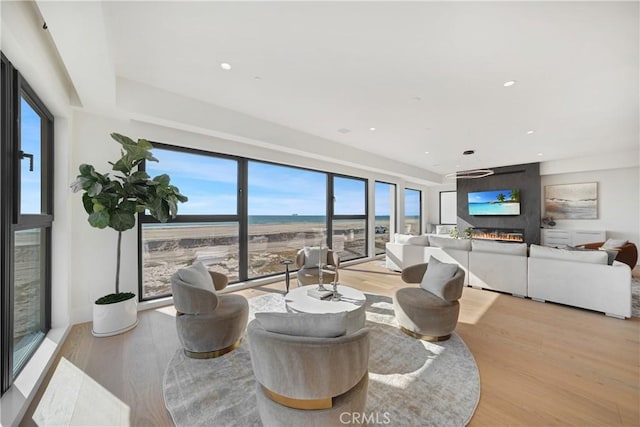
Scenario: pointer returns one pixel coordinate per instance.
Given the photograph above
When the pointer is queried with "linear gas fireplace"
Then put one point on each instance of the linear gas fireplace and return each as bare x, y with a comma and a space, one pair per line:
498, 234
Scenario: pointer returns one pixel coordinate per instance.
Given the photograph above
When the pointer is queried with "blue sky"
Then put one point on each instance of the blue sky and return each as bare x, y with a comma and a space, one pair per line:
30, 125
411, 202
210, 184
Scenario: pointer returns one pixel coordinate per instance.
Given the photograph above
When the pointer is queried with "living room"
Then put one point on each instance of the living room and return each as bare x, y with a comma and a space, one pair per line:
102, 68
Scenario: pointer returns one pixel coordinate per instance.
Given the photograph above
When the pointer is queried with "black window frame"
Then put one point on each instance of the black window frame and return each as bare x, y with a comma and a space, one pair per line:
331, 216
241, 216
143, 218
14, 88
419, 207
395, 211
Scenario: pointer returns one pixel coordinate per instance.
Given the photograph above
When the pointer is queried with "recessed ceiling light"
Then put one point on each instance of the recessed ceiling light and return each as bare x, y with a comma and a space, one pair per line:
509, 83
426, 152
372, 129
530, 132
468, 152
539, 154
257, 78
225, 66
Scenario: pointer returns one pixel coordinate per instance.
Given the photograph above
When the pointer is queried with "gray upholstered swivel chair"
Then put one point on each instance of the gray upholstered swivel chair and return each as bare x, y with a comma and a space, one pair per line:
307, 260
431, 315
307, 380
209, 325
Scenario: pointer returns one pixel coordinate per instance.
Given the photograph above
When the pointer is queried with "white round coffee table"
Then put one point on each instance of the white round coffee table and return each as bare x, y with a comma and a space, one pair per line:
352, 301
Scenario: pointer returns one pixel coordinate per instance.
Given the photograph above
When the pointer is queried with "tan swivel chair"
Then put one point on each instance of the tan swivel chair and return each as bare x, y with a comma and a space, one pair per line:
308, 380
308, 272
424, 315
208, 325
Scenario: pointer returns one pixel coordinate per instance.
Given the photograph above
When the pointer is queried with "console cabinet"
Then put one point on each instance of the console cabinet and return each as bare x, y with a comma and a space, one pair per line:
561, 238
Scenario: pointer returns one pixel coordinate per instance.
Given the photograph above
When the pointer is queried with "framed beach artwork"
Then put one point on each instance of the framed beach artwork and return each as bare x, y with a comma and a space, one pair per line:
571, 201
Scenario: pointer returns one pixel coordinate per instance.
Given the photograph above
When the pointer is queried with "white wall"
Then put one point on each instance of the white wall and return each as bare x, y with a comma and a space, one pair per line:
618, 201
433, 203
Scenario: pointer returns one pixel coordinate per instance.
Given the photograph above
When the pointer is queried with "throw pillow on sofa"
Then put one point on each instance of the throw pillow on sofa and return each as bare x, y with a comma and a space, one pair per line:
402, 239
611, 253
437, 275
419, 240
592, 257
614, 243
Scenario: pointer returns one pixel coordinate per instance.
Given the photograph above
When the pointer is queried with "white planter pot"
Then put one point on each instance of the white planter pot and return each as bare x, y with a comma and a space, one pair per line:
113, 319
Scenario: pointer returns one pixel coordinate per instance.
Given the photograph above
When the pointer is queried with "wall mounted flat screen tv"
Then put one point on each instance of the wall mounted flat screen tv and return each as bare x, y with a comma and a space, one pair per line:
495, 202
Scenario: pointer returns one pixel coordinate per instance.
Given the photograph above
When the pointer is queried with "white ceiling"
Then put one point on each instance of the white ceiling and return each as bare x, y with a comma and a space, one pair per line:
427, 75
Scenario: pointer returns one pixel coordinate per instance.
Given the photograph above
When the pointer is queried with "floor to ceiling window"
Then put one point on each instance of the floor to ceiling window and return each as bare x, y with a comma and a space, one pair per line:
26, 220
349, 219
207, 227
385, 214
286, 211
246, 218
412, 211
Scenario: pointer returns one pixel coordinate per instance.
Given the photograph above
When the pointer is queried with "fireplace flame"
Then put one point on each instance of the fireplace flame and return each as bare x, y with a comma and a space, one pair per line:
498, 235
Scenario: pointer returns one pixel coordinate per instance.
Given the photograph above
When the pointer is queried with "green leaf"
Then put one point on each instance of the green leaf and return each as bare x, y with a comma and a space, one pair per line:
124, 140
122, 221
99, 219
94, 189
87, 202
143, 143
120, 166
128, 206
86, 169
97, 206
162, 179
138, 176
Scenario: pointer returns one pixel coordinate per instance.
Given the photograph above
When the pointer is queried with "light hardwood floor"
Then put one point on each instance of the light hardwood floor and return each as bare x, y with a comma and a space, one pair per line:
540, 364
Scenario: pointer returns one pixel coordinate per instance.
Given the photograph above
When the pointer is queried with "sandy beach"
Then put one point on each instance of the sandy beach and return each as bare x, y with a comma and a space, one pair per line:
167, 248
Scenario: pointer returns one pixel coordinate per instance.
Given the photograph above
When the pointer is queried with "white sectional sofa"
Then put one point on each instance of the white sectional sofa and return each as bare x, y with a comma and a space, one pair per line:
498, 266
581, 279
412, 250
576, 278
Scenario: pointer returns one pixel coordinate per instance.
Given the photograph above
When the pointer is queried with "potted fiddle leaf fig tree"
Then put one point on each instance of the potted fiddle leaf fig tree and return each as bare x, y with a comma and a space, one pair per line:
113, 201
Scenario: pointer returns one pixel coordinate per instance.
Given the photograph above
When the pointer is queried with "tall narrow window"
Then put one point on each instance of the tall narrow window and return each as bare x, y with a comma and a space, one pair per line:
286, 211
207, 228
349, 221
385, 214
412, 211
27, 217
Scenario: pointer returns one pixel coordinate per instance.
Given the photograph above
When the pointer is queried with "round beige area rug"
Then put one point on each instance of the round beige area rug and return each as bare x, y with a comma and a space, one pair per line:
411, 382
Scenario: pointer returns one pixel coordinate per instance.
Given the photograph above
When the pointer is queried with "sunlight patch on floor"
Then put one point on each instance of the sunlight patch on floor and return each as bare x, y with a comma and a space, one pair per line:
169, 310
74, 398
474, 304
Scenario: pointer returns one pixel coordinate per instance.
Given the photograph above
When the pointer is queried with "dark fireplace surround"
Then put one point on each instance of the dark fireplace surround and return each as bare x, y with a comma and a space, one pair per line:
525, 178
